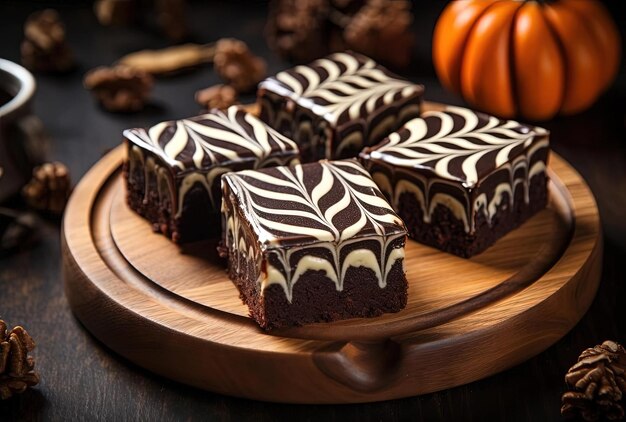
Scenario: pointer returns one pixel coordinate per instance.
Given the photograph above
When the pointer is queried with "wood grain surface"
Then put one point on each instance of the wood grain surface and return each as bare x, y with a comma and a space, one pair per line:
83, 379
123, 279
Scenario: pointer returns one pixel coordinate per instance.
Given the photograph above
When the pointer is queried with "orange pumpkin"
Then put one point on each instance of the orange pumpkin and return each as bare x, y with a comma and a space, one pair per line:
531, 58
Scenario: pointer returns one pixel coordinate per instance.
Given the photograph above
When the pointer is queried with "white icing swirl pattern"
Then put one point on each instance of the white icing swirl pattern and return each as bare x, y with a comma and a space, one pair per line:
197, 151
457, 144
446, 158
328, 201
341, 87
325, 206
216, 138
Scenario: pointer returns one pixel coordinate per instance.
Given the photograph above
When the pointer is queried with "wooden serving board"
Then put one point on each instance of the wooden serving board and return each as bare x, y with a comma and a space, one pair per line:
174, 311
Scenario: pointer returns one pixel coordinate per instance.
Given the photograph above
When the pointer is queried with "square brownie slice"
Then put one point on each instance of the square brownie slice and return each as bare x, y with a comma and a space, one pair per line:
312, 243
173, 169
461, 179
337, 105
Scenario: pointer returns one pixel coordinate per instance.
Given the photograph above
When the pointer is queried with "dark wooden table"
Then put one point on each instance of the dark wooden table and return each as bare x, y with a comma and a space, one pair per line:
82, 380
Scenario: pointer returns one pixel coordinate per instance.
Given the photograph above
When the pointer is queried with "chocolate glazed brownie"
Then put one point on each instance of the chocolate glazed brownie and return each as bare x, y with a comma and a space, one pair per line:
335, 106
311, 243
173, 169
460, 179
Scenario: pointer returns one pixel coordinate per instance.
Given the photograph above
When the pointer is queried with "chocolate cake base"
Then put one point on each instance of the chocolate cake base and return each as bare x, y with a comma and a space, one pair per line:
316, 298
196, 222
446, 232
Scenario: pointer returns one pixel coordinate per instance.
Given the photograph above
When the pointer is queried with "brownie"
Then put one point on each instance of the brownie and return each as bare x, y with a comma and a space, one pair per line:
311, 243
461, 179
337, 105
173, 169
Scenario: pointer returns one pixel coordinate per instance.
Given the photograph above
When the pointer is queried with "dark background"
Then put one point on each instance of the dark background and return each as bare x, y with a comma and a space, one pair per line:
82, 380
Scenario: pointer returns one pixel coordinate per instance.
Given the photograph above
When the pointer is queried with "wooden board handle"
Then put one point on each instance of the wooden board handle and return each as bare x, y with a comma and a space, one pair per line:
361, 366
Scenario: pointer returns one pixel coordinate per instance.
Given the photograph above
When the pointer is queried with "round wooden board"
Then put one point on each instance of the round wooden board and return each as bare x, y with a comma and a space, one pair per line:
173, 310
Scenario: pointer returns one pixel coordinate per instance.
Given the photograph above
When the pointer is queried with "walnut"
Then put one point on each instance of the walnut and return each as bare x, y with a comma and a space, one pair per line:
598, 383
217, 96
381, 29
44, 47
119, 88
236, 64
16, 367
298, 29
302, 30
49, 188
115, 12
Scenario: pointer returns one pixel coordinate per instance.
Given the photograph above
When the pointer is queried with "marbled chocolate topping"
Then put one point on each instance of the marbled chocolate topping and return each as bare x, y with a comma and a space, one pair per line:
174, 158
326, 201
465, 161
326, 216
216, 138
458, 144
342, 87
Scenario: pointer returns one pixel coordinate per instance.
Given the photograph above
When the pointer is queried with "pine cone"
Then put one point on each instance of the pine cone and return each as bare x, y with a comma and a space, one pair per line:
298, 29
598, 381
44, 47
381, 29
217, 96
16, 367
49, 188
236, 64
119, 88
